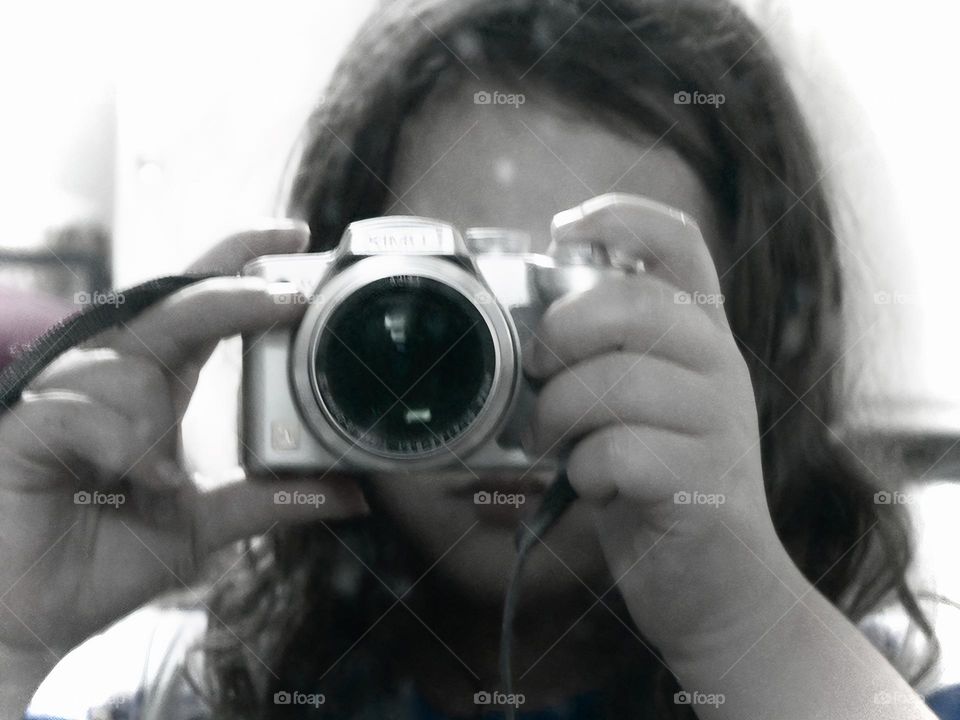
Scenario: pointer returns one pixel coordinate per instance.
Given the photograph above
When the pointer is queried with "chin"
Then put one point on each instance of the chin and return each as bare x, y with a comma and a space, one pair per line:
475, 557
543, 580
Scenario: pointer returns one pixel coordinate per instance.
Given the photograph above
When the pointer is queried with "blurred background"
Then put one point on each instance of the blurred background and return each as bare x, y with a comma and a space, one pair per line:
137, 134
134, 135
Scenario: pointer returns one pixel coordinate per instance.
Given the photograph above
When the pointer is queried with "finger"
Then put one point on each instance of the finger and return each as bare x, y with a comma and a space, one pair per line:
246, 508
53, 430
668, 241
618, 389
139, 390
637, 313
642, 462
190, 322
134, 386
228, 257
169, 548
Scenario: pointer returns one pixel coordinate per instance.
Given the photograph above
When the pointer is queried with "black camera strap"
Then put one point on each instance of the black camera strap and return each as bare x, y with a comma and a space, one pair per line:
558, 498
118, 308
123, 306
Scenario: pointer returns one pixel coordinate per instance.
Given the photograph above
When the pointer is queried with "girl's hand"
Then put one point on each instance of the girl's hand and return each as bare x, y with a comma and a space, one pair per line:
96, 513
644, 377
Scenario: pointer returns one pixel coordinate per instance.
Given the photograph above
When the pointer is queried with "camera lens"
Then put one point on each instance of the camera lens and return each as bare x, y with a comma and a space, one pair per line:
404, 365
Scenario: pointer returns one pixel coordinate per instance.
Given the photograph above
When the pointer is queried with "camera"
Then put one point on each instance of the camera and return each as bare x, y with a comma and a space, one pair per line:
407, 357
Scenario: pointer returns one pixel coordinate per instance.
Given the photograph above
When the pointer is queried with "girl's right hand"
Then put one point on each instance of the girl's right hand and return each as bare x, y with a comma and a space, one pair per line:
97, 515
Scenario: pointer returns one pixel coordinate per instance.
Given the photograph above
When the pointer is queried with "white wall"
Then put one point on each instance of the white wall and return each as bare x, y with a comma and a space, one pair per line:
57, 129
879, 80
211, 97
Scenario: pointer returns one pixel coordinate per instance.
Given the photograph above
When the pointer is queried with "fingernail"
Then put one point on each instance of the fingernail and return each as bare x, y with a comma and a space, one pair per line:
563, 221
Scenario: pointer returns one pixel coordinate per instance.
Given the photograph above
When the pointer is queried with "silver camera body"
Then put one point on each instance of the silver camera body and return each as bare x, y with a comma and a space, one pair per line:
408, 355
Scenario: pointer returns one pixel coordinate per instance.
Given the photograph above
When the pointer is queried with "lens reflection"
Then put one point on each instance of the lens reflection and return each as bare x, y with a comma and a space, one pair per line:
405, 365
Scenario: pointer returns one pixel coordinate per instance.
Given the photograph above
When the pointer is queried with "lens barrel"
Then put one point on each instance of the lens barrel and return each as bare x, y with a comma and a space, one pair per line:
404, 365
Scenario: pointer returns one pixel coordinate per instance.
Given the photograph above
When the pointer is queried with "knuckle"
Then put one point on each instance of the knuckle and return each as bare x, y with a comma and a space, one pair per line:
72, 363
144, 373
625, 290
548, 410
552, 324
135, 341
656, 292
599, 459
582, 464
610, 376
614, 303
611, 447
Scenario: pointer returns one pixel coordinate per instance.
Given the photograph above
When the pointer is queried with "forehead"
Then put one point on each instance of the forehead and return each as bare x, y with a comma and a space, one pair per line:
477, 155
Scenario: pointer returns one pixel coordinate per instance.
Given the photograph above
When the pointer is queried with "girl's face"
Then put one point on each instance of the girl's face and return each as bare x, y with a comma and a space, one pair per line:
515, 165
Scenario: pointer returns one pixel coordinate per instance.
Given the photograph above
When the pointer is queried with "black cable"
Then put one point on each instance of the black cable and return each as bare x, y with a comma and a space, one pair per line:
559, 496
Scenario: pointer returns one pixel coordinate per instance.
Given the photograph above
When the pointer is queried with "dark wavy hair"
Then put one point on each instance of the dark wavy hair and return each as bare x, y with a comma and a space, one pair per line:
288, 613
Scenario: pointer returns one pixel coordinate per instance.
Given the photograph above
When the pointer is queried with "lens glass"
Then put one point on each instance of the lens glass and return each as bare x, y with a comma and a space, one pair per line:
404, 365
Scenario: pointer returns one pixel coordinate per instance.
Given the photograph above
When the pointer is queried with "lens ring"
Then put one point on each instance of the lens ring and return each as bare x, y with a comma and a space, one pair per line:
404, 365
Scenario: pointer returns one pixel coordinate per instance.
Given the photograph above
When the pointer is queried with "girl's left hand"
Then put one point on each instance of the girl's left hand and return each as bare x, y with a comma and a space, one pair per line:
645, 380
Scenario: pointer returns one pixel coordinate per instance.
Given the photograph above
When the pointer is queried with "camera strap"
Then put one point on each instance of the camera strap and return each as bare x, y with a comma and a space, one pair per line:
87, 323
557, 499
82, 326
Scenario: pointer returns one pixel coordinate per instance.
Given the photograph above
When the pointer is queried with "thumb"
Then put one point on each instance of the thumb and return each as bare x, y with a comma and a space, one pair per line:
244, 508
